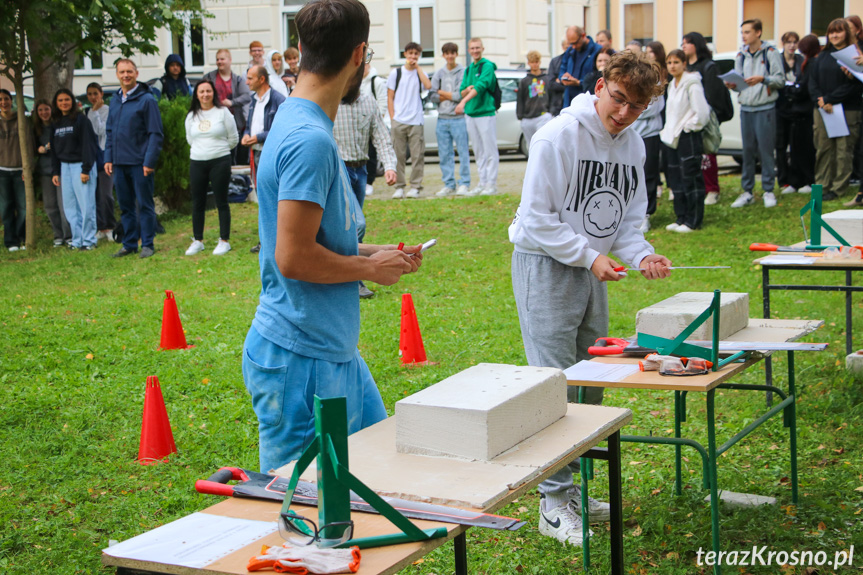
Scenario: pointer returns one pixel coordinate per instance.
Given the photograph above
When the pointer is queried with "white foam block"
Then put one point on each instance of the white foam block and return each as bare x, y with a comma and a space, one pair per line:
847, 223
671, 316
854, 364
480, 412
736, 500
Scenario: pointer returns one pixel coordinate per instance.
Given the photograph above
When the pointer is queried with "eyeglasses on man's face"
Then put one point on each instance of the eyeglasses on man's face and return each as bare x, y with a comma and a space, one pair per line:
620, 102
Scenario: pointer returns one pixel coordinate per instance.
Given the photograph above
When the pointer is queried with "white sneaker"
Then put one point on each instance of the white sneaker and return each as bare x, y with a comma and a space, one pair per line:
58, 243
769, 200
805, 190
462, 190
399, 194
789, 190
100, 235
196, 248
492, 191
645, 225
447, 191
743, 199
683, 229
670, 194
222, 248
370, 190
563, 523
672, 226
599, 511
413, 193
14, 248
711, 199
658, 192
476, 191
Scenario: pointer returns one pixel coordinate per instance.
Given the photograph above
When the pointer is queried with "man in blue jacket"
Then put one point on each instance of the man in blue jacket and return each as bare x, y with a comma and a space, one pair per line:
132, 148
262, 110
577, 62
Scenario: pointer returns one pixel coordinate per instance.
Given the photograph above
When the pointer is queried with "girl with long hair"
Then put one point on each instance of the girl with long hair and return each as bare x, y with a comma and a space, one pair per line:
52, 198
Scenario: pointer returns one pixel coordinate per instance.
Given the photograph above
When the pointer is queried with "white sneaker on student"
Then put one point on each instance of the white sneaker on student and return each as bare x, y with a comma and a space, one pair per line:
600, 511
645, 225
743, 199
789, 190
399, 194
563, 523
476, 191
769, 200
462, 190
370, 190
222, 248
413, 193
492, 191
670, 194
711, 199
672, 226
196, 248
683, 229
805, 190
446, 191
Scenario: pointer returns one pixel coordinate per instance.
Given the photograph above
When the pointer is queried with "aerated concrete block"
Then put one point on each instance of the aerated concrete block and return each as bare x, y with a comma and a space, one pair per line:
736, 500
671, 316
847, 223
480, 412
854, 364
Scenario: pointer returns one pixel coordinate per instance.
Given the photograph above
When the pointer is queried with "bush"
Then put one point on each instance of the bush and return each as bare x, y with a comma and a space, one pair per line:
172, 172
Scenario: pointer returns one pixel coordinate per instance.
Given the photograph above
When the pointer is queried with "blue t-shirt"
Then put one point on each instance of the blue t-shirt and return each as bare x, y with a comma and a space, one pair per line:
300, 161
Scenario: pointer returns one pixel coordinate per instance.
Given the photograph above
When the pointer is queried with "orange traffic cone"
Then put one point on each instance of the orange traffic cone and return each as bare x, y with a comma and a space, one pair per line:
172, 330
157, 440
411, 347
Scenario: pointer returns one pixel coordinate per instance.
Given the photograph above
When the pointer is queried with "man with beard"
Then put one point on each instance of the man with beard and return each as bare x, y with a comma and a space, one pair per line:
303, 339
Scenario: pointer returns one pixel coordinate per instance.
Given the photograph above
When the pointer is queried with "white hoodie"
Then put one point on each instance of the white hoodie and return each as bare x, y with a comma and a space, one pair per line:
687, 109
584, 192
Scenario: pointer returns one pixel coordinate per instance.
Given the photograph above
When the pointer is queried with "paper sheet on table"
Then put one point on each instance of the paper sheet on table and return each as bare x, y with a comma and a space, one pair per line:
848, 58
834, 122
788, 260
586, 370
193, 541
733, 77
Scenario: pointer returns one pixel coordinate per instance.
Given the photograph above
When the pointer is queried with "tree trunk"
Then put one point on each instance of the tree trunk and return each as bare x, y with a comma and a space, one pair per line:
48, 79
26, 140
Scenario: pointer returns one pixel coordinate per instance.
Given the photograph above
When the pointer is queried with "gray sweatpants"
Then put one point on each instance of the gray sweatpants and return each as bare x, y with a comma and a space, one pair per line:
562, 310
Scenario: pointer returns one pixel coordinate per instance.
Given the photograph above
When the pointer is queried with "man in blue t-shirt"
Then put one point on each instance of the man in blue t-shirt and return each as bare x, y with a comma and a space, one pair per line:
303, 340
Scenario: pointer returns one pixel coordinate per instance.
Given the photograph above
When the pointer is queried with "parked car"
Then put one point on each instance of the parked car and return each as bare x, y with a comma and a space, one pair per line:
509, 136
28, 102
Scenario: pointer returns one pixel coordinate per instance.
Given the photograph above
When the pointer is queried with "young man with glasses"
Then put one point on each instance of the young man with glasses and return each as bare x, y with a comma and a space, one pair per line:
583, 197
303, 340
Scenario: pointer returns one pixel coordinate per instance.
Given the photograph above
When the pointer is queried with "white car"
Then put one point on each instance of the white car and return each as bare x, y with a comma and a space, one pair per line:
509, 136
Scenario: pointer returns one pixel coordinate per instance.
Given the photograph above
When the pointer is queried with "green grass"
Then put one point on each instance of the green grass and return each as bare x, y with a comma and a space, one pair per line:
81, 334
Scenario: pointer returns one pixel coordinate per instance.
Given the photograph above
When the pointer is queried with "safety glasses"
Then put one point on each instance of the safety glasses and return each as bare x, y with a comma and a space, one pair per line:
305, 531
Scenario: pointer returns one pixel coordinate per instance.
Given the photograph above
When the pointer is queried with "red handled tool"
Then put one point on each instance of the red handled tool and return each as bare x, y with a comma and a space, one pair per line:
758, 247
617, 346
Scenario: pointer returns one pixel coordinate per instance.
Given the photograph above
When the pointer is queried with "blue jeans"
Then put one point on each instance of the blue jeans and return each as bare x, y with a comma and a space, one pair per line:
13, 202
79, 203
358, 178
132, 185
283, 386
758, 130
449, 130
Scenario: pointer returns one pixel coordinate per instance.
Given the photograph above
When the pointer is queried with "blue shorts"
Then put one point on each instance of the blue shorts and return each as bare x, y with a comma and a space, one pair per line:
283, 385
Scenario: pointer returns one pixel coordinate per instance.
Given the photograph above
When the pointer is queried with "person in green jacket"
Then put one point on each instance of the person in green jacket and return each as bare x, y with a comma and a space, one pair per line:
477, 102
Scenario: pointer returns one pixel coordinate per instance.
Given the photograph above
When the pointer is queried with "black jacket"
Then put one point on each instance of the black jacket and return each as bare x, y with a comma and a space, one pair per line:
72, 141
828, 81
555, 88
714, 88
794, 99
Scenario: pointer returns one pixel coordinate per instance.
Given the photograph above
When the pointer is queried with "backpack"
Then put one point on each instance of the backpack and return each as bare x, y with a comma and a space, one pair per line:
711, 137
496, 92
399, 79
719, 99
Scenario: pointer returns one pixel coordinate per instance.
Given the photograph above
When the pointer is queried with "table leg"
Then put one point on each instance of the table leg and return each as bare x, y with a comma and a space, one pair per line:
765, 296
848, 338
678, 471
460, 545
585, 515
714, 491
792, 412
615, 492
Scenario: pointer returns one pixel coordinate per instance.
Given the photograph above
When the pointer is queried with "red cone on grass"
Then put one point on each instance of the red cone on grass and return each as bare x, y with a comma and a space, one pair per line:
157, 440
172, 330
411, 347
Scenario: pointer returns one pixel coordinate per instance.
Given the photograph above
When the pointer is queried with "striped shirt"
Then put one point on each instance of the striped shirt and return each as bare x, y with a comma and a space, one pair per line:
354, 124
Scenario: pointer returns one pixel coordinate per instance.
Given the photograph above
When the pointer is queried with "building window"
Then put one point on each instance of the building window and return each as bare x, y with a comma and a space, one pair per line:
415, 22
763, 10
189, 42
637, 21
823, 12
290, 37
88, 64
698, 17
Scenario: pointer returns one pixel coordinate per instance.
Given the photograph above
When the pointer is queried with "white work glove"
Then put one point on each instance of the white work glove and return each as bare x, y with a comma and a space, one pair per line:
303, 559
